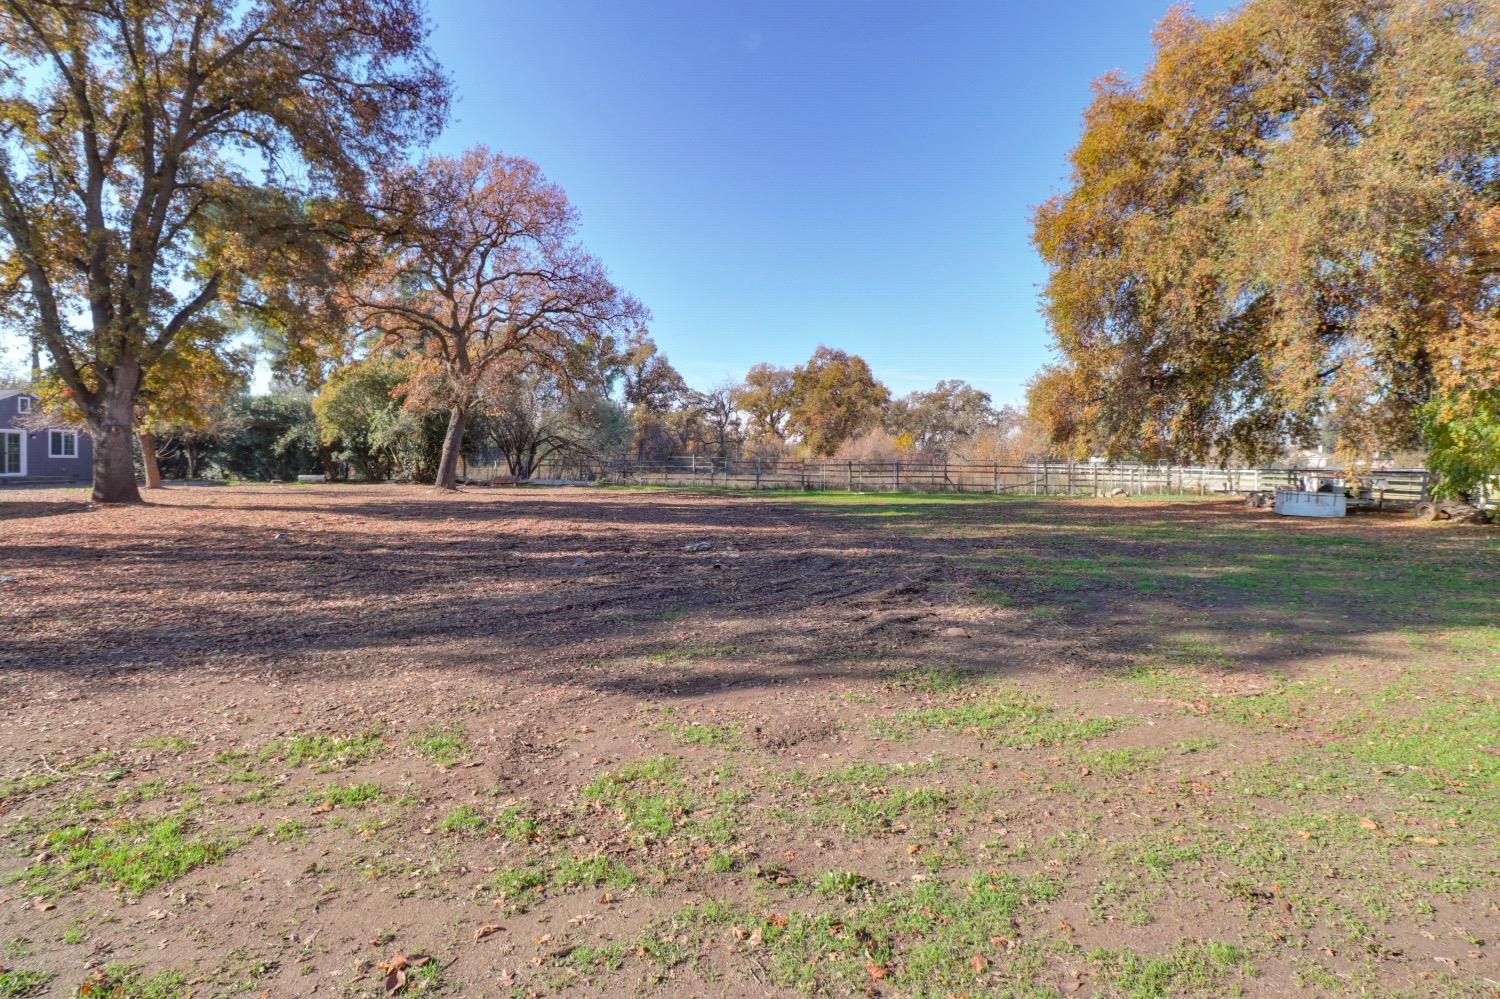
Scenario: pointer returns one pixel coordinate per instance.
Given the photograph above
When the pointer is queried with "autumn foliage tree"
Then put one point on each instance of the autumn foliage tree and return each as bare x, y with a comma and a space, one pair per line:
1292, 220
184, 393
766, 397
651, 388
137, 141
482, 280
835, 399
939, 422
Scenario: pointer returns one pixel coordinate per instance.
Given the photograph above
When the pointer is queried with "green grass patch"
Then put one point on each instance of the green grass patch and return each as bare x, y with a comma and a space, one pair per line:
846, 885
326, 753
522, 886
290, 831
924, 940
464, 819
935, 679
1121, 762
1453, 740
686, 653
134, 856
122, 982
701, 734
17, 787
1012, 719
174, 744
647, 795
349, 796
15, 983
516, 824
442, 747
868, 799
1209, 969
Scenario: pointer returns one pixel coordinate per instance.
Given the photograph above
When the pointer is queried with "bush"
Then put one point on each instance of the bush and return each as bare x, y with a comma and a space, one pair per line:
1463, 440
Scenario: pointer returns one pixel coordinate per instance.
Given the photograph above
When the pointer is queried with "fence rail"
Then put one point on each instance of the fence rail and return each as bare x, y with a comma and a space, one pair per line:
1040, 478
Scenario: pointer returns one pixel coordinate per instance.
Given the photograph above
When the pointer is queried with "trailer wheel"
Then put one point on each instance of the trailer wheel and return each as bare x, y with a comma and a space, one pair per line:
1425, 510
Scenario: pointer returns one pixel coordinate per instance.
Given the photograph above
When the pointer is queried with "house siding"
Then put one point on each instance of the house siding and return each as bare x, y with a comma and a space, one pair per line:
39, 461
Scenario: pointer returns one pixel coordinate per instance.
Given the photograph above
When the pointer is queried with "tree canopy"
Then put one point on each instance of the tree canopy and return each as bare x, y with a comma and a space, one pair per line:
155, 157
835, 398
482, 280
1292, 220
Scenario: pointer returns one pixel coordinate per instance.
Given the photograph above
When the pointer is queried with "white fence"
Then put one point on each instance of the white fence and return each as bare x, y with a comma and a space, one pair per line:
1042, 478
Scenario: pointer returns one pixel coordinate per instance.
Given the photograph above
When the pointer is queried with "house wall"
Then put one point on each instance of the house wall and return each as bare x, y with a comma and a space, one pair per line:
39, 462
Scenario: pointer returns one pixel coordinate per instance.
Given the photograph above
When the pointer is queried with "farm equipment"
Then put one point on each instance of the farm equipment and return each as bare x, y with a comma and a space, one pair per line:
1329, 493
1482, 505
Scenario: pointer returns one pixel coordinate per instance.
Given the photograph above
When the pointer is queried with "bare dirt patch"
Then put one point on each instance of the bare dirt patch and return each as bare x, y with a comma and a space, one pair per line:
267, 740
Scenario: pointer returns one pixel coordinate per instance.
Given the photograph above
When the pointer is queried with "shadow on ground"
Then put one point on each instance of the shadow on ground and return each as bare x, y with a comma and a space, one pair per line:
603, 589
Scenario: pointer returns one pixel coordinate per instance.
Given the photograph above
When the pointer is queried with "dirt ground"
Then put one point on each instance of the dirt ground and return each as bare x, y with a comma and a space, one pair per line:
331, 740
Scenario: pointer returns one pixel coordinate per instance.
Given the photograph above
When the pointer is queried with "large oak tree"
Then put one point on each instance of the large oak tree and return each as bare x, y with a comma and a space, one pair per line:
766, 397
139, 143
1291, 222
482, 281
835, 399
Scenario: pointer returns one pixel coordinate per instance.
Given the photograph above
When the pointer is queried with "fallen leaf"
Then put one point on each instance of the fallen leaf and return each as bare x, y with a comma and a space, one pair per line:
485, 931
877, 971
395, 971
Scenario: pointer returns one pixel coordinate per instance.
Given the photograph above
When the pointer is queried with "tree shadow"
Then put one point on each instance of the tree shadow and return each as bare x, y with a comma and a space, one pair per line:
608, 590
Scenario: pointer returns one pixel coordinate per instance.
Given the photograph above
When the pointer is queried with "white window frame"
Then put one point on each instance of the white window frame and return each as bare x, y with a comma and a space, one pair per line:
53, 436
22, 436
23, 404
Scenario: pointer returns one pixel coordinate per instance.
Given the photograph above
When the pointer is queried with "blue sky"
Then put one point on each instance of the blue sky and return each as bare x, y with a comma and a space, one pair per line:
770, 176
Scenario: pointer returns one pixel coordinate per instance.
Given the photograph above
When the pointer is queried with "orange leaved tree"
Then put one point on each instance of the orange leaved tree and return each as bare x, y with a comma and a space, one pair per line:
139, 145
483, 281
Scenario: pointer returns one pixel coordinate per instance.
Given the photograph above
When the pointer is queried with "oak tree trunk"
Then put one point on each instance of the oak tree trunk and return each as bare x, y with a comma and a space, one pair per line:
110, 421
149, 460
453, 440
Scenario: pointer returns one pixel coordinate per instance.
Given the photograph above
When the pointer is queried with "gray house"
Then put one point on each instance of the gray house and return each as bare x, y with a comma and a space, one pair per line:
31, 452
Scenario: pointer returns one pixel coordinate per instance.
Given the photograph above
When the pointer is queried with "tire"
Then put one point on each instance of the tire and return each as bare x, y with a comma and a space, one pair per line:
1425, 510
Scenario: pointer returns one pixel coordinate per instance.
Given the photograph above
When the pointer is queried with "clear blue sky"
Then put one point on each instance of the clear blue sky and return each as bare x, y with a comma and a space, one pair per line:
768, 176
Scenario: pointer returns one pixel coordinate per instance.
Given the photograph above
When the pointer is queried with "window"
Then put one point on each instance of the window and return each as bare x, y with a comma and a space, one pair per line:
23, 404
62, 444
12, 453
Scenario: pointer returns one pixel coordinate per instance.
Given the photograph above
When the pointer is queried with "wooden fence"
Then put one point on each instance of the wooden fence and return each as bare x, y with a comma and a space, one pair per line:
1041, 478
